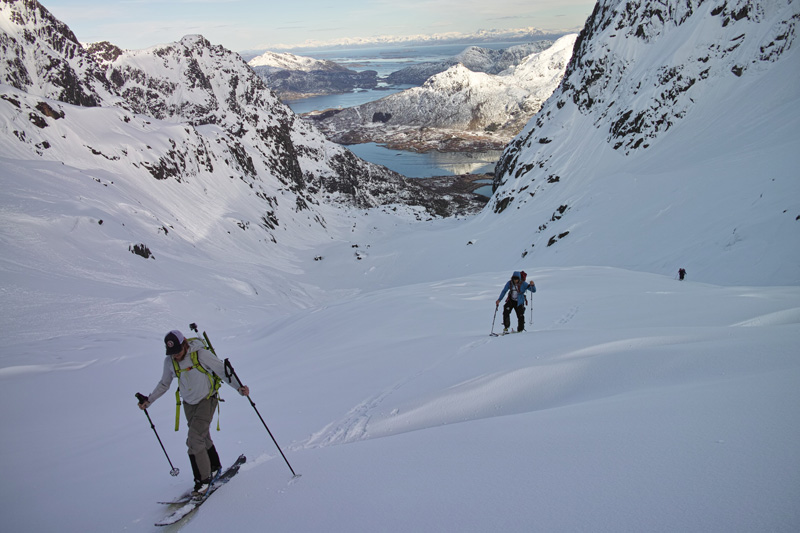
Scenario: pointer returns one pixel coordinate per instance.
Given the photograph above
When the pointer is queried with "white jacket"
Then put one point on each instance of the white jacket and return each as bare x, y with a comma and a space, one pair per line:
194, 384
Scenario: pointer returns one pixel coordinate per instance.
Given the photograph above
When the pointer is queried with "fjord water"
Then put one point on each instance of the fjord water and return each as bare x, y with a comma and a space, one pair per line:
428, 164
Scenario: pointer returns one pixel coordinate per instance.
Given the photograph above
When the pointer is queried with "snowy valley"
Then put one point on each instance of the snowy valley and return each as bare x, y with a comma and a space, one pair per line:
145, 190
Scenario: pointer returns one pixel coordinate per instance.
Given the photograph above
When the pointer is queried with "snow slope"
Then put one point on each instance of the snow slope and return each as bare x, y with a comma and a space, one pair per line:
634, 402
674, 120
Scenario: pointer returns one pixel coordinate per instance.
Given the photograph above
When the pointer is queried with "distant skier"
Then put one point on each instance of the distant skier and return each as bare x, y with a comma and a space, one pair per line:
516, 288
681, 273
198, 381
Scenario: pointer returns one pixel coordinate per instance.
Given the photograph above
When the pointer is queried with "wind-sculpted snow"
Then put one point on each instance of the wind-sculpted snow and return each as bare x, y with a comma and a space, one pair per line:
477, 108
533, 372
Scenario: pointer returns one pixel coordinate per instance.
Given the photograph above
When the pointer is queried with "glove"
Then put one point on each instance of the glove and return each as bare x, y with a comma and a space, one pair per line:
144, 405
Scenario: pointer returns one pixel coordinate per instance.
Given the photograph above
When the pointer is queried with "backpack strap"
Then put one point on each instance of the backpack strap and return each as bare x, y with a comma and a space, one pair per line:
214, 380
511, 289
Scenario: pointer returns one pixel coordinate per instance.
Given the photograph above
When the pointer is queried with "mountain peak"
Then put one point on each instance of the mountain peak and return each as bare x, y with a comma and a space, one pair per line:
195, 39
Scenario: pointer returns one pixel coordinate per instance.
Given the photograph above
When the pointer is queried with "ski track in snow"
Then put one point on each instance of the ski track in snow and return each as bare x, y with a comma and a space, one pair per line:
354, 425
569, 315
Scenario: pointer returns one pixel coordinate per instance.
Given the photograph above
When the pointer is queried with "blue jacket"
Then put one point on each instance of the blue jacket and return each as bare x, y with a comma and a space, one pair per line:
523, 286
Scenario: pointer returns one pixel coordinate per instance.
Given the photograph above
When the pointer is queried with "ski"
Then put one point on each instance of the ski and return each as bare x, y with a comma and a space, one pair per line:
189, 494
183, 498
188, 503
222, 478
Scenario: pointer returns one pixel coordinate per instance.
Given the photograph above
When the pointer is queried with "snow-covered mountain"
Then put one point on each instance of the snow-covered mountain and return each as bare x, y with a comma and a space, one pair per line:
292, 76
273, 61
457, 109
674, 117
475, 58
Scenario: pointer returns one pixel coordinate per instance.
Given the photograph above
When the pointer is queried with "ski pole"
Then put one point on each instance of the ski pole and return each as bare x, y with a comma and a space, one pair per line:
142, 398
496, 306
229, 371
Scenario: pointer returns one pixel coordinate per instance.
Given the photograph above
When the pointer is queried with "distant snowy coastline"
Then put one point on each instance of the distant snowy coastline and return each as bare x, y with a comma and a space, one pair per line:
521, 35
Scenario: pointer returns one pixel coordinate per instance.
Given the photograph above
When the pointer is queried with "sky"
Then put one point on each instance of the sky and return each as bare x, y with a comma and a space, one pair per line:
241, 25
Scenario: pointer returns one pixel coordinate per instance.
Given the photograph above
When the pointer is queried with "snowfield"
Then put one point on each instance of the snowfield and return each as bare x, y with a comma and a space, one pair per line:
635, 402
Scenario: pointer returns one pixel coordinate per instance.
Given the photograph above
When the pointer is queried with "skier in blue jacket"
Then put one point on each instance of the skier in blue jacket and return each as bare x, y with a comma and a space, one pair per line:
515, 287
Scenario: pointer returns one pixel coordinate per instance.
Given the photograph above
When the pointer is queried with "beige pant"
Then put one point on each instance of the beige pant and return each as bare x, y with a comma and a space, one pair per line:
199, 417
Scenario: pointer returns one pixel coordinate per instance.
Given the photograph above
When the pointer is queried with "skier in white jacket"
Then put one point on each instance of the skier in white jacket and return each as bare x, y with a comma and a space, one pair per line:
199, 372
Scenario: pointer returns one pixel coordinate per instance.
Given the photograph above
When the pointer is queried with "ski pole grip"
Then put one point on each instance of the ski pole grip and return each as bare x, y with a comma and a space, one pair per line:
141, 397
231, 373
